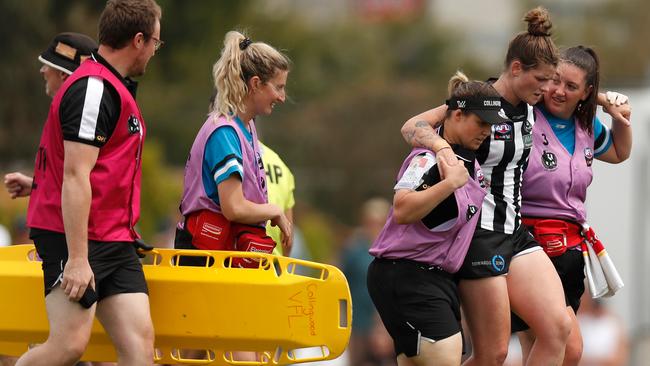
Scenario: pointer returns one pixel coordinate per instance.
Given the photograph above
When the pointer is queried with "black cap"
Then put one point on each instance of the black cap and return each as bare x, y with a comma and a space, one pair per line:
67, 51
487, 108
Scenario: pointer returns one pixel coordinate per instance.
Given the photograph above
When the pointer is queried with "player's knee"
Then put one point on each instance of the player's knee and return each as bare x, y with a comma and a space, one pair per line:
493, 359
494, 355
139, 345
147, 346
555, 329
563, 326
573, 352
146, 332
499, 356
71, 351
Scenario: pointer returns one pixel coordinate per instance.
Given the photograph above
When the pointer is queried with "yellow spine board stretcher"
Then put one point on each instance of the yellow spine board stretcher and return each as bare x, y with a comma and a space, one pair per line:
287, 310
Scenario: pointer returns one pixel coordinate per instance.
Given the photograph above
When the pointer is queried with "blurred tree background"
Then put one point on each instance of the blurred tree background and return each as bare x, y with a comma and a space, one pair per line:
359, 71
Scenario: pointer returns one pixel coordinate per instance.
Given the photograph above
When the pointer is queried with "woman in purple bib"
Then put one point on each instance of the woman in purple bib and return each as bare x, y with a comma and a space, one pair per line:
224, 195
224, 203
428, 231
566, 138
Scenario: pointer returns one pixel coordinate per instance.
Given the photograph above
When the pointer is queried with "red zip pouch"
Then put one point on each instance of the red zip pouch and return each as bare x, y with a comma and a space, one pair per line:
251, 239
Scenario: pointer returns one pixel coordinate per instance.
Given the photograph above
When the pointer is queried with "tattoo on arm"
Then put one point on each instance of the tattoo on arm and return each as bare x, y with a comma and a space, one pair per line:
423, 135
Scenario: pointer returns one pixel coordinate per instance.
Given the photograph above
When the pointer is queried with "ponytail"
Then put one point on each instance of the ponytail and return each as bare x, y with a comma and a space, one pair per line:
240, 60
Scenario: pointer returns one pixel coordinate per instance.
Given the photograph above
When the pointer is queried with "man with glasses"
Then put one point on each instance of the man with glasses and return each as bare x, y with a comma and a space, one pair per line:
157, 43
85, 199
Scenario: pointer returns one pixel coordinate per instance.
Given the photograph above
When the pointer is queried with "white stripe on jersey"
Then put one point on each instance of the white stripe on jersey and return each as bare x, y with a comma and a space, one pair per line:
487, 216
510, 187
231, 163
88, 124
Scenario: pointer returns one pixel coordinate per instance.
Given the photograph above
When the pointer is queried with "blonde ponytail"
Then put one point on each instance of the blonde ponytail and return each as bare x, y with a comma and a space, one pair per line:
240, 60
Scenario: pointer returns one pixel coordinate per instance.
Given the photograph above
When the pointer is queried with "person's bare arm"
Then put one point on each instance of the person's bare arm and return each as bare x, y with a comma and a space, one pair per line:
419, 131
236, 208
76, 196
410, 206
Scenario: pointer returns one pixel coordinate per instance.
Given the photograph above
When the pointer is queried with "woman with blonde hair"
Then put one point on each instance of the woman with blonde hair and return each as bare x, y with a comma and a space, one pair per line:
224, 203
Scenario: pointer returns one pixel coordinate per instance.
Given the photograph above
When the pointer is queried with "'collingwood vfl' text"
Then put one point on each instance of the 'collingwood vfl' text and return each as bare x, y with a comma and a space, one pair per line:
303, 307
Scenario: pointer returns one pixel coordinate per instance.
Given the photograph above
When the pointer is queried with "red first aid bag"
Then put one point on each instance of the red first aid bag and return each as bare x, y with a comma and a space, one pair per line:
210, 231
251, 239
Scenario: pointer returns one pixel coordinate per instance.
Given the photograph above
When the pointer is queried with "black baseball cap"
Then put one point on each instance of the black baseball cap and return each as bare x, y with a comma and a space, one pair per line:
487, 108
67, 51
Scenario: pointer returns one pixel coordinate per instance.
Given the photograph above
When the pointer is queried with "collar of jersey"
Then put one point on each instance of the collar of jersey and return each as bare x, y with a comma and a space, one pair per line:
243, 128
556, 121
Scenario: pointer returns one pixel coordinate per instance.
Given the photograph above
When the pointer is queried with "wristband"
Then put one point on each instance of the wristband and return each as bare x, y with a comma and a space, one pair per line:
441, 146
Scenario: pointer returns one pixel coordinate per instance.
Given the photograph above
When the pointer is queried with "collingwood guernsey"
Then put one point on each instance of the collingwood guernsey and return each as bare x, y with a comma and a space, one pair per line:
503, 156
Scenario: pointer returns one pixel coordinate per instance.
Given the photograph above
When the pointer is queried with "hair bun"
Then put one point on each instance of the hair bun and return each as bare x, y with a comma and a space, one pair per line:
539, 22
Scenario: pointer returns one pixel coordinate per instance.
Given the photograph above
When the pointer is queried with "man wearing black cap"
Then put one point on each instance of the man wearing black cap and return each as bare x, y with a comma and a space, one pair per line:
85, 199
61, 58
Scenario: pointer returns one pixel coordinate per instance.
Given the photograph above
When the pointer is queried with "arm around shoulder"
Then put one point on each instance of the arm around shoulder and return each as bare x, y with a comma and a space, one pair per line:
419, 131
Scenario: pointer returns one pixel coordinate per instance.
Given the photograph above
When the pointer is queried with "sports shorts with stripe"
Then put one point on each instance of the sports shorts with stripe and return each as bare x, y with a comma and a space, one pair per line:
416, 302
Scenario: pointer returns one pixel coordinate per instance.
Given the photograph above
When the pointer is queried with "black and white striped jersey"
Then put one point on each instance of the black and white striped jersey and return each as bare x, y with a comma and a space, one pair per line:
503, 157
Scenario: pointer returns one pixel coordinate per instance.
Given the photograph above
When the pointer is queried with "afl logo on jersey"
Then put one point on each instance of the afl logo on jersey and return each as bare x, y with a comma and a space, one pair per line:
134, 124
502, 128
589, 156
549, 161
503, 132
471, 211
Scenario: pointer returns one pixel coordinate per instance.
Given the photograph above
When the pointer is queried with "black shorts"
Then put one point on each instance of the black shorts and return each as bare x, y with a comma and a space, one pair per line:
183, 240
491, 252
570, 267
116, 265
414, 302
